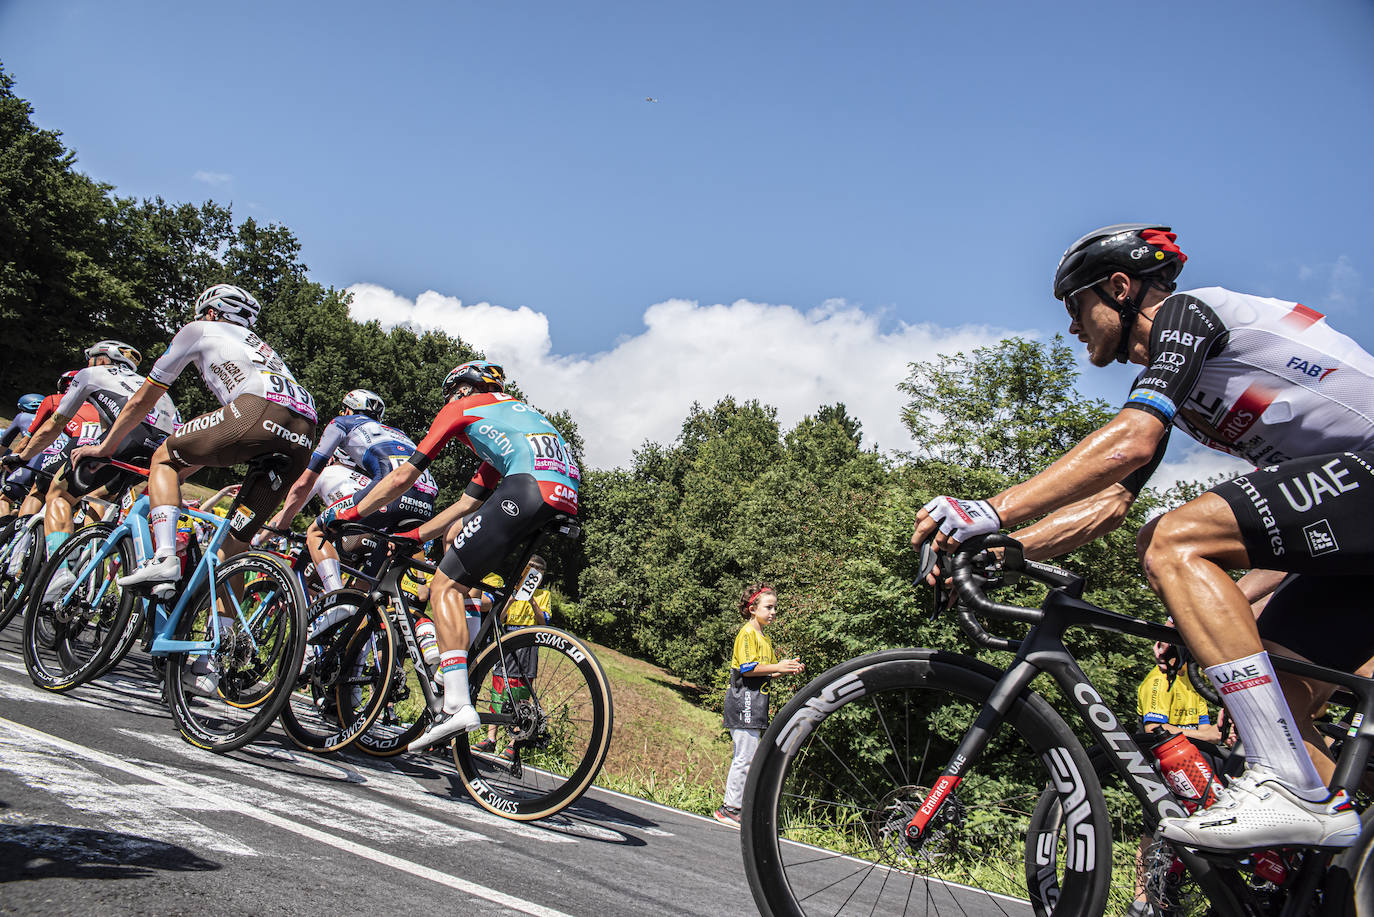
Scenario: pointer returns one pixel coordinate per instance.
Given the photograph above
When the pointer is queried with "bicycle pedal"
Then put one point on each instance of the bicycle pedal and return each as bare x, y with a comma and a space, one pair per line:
163, 591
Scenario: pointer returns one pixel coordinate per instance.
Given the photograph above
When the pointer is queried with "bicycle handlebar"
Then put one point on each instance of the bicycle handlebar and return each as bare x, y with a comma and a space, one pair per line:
970, 583
404, 546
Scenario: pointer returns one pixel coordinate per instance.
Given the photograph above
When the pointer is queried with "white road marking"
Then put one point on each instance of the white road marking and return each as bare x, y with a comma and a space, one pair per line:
321, 803
137, 810
35, 736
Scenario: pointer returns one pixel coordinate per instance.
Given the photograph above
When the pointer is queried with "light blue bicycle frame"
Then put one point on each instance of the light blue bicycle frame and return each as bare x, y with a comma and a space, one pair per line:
135, 526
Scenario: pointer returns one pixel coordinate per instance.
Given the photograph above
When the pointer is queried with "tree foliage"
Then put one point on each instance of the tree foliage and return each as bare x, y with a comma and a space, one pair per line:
79, 263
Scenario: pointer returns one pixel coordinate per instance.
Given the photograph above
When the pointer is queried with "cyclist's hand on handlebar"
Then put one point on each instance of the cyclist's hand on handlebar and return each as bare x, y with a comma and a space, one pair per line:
951, 522
335, 514
12, 460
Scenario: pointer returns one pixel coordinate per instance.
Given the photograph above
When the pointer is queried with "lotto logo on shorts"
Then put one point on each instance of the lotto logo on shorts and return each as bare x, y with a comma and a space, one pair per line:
1320, 538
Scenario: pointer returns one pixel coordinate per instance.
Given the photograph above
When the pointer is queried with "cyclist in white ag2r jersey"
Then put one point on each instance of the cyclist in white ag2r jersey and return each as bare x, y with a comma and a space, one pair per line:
1263, 379
265, 412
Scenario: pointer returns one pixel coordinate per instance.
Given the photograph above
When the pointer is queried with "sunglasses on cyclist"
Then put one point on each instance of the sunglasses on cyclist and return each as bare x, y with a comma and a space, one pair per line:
1071, 303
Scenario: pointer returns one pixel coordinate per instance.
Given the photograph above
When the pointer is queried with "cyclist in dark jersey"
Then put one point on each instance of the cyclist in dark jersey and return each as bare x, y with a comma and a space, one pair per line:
1263, 379
374, 449
527, 476
29, 482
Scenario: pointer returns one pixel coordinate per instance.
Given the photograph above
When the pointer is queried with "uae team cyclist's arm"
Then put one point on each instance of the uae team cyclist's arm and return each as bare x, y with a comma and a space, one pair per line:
1104, 457
135, 409
1075, 525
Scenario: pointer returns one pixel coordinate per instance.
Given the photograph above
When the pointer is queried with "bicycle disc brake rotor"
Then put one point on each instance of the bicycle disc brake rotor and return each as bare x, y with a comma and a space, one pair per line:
527, 725
889, 819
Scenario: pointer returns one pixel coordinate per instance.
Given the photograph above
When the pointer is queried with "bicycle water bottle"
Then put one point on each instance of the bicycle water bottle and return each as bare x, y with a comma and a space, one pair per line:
1187, 771
428, 639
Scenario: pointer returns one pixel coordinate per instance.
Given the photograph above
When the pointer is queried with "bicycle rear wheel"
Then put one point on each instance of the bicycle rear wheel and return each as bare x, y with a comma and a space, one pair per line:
67, 642
344, 685
556, 716
852, 757
18, 573
249, 677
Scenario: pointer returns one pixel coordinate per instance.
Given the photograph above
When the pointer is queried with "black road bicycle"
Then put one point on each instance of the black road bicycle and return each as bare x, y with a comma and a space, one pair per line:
540, 687
918, 781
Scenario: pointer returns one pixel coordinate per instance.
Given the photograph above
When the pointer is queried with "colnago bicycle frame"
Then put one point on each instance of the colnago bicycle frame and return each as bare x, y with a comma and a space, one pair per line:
1043, 650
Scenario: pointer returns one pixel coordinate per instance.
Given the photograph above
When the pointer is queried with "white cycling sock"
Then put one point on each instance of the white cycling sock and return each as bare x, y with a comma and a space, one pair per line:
330, 577
453, 669
163, 521
1265, 723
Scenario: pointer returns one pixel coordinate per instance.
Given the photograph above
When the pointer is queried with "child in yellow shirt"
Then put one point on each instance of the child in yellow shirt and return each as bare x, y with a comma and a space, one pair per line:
752, 666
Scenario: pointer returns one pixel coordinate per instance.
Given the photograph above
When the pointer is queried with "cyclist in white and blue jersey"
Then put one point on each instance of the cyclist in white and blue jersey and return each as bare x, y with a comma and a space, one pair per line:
375, 449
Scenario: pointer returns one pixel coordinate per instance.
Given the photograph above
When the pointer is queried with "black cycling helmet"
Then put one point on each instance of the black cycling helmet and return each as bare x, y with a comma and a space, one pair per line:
480, 374
1144, 250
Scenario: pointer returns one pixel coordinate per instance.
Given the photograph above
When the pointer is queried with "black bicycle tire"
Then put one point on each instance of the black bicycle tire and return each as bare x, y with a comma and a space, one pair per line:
1034, 721
73, 676
268, 710
527, 806
13, 603
323, 743
7, 583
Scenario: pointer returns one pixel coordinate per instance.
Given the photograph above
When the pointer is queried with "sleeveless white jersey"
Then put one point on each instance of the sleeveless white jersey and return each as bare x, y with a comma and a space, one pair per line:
233, 361
107, 389
1262, 379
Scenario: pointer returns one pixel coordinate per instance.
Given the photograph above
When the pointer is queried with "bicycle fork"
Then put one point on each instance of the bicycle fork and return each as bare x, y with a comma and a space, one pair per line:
970, 749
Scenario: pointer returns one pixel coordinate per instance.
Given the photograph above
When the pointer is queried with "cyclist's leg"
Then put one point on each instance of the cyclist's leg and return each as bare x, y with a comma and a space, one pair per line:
1300, 516
514, 510
1345, 642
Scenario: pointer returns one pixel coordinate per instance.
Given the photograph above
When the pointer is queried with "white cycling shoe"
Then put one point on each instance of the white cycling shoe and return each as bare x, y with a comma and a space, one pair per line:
58, 585
201, 677
447, 725
160, 572
1257, 811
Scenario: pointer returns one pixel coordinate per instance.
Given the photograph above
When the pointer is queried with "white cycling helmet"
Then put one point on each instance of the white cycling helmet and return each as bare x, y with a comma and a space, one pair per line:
234, 304
362, 401
117, 351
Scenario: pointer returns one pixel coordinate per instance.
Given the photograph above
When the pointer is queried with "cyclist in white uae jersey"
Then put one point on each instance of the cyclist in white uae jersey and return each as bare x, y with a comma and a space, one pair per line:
265, 412
1260, 378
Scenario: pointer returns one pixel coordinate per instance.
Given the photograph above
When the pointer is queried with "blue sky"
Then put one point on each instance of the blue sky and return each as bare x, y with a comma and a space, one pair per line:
821, 189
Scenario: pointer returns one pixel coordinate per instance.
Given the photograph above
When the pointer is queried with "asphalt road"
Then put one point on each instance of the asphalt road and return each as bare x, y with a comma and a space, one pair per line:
105, 810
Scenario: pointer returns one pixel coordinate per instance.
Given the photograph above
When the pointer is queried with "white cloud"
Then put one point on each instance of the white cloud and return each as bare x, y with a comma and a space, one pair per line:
1345, 286
213, 178
642, 388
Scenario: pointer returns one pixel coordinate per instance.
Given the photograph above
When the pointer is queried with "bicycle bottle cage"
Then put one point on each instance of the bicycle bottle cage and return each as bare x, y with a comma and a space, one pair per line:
563, 524
273, 464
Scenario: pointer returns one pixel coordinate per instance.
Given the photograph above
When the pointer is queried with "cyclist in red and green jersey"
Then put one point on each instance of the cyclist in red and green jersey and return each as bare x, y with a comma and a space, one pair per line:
528, 475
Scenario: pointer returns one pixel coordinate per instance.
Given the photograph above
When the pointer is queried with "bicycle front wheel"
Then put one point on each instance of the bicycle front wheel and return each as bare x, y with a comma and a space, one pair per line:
223, 700
343, 685
70, 635
852, 757
550, 715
